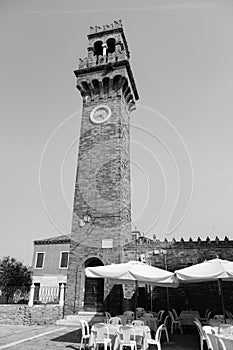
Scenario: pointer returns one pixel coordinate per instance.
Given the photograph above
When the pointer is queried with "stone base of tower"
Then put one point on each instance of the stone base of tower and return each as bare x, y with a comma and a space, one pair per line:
89, 294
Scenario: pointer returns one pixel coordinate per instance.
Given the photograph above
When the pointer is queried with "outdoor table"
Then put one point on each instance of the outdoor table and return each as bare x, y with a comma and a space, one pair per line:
187, 317
142, 333
112, 329
216, 322
151, 322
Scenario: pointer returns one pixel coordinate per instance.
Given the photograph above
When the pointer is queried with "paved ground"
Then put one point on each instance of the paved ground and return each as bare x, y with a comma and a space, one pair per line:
56, 337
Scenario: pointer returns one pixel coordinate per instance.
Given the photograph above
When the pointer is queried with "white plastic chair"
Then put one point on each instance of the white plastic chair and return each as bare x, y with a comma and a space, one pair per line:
202, 334
115, 320
140, 311
175, 324
85, 334
175, 314
126, 333
165, 327
160, 315
129, 314
157, 339
102, 336
208, 315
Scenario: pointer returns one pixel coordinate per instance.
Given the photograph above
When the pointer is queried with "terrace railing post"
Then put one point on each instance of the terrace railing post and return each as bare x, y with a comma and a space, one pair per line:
62, 295
31, 297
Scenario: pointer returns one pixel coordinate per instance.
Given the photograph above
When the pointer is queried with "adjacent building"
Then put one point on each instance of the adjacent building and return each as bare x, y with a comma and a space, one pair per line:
49, 265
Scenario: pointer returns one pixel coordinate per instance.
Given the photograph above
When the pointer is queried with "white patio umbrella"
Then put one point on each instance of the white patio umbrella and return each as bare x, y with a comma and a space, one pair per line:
133, 272
211, 270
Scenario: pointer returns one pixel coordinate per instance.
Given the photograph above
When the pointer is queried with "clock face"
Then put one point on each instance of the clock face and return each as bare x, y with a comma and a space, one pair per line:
100, 114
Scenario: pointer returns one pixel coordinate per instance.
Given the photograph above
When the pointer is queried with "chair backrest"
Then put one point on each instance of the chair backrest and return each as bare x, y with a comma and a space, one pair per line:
101, 330
160, 314
166, 321
158, 333
213, 339
206, 312
107, 316
126, 333
200, 330
140, 311
171, 316
229, 314
85, 328
227, 344
129, 313
138, 323
148, 315
174, 313
198, 321
115, 320
208, 315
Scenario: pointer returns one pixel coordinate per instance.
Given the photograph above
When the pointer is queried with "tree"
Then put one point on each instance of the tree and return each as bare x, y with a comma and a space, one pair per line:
14, 273
15, 279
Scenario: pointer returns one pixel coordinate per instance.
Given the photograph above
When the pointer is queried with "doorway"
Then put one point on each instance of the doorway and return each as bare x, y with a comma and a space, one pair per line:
94, 289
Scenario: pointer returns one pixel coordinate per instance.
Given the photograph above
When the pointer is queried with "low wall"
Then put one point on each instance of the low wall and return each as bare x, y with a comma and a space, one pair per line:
25, 315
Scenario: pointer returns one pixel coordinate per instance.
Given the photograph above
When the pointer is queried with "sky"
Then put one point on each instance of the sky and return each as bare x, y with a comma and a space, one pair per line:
181, 131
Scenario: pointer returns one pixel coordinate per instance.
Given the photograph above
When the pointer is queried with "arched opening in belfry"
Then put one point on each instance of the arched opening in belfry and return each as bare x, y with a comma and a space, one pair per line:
117, 83
111, 43
106, 81
96, 86
94, 288
98, 48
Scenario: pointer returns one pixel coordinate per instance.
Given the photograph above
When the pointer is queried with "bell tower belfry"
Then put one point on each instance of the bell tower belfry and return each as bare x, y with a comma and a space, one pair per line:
101, 222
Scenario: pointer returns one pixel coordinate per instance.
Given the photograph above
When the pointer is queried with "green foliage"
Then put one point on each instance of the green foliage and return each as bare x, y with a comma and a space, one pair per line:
14, 273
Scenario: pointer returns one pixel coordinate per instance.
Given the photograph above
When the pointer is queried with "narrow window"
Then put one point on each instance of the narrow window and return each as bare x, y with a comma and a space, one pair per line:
40, 261
64, 260
36, 292
98, 49
111, 45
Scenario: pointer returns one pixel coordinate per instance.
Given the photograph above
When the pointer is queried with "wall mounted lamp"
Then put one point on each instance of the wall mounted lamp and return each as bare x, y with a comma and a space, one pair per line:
85, 219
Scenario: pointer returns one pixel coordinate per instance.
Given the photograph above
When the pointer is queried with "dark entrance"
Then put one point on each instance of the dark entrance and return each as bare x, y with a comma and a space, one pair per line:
94, 289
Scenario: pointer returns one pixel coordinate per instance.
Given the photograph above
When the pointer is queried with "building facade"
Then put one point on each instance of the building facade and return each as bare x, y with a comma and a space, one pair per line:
49, 267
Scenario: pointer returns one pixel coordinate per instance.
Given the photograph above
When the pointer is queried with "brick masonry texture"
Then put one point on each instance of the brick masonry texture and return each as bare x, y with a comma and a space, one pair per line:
25, 315
103, 189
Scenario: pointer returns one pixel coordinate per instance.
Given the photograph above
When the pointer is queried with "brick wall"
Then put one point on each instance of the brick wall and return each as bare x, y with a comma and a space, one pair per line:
180, 254
24, 315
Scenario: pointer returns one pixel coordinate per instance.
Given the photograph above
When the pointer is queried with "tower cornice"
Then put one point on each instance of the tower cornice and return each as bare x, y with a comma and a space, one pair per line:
107, 67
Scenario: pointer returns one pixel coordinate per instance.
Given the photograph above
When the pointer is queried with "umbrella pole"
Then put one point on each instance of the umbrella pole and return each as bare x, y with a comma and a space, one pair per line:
222, 299
136, 298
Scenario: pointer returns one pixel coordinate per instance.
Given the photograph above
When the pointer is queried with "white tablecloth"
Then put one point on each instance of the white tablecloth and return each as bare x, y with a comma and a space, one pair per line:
142, 333
112, 329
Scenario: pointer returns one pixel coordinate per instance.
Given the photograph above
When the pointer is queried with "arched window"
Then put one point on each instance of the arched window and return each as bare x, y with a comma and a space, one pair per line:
98, 49
111, 45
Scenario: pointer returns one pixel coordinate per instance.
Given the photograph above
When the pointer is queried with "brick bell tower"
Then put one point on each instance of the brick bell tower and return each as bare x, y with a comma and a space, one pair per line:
101, 222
